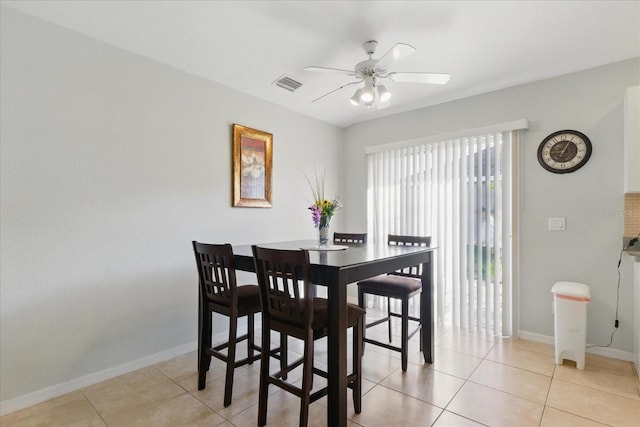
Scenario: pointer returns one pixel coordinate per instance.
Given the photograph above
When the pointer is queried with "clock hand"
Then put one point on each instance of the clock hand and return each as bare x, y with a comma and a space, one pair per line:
566, 145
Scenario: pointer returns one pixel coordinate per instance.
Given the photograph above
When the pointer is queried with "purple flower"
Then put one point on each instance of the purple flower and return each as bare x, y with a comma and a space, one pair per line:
316, 214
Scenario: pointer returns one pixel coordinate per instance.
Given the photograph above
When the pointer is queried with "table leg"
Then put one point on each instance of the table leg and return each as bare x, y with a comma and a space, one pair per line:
427, 310
337, 354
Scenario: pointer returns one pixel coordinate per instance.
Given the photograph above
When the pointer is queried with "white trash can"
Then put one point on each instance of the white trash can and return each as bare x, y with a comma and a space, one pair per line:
570, 321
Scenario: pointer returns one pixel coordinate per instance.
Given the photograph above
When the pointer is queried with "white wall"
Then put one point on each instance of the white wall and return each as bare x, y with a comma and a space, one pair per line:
590, 199
110, 165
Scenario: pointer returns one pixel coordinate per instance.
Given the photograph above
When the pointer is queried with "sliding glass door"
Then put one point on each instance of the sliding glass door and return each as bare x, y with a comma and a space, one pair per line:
460, 192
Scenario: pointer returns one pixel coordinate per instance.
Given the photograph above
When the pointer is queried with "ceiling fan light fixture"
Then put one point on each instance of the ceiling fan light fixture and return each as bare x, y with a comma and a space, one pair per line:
366, 98
383, 94
368, 92
367, 95
355, 99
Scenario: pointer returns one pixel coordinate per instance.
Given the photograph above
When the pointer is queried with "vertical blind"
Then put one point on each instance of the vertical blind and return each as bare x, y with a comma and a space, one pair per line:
459, 192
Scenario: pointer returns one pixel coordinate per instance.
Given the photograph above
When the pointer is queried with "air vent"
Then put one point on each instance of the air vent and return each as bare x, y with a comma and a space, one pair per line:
287, 83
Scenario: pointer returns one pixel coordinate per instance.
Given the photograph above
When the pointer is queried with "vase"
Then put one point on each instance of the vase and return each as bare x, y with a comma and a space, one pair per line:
323, 236
323, 231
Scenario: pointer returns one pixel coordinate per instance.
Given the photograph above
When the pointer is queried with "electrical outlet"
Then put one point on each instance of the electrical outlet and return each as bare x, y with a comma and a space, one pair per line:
556, 224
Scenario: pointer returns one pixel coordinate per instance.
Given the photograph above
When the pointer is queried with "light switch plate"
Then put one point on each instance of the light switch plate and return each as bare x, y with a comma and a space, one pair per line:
556, 224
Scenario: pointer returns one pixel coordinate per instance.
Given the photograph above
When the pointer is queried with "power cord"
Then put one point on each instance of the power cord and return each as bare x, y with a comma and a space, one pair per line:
617, 322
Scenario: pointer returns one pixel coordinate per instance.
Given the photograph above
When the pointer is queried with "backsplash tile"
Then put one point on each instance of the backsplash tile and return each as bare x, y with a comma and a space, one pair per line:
631, 214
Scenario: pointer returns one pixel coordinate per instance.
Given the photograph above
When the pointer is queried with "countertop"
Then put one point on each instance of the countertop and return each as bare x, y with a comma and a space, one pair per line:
633, 251
634, 254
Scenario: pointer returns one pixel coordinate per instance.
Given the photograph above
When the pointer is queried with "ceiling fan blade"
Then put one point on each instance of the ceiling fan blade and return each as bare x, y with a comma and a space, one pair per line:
417, 77
335, 90
330, 70
396, 54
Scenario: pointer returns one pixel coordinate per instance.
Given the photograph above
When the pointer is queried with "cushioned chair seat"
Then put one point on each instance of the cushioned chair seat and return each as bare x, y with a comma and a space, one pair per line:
321, 318
390, 285
248, 297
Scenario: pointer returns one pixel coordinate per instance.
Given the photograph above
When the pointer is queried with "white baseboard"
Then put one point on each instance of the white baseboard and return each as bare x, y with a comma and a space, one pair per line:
47, 393
600, 351
530, 336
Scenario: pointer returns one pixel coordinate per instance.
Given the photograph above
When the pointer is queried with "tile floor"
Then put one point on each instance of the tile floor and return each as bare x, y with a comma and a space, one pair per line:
475, 380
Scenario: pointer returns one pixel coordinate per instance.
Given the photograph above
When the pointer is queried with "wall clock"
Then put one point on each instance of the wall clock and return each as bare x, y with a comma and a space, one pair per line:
564, 151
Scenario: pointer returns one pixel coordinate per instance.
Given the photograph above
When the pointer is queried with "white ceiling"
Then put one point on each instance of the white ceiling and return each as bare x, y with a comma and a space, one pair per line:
247, 45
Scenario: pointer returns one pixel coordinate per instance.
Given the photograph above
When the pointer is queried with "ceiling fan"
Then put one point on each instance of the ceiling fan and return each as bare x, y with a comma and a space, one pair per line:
373, 94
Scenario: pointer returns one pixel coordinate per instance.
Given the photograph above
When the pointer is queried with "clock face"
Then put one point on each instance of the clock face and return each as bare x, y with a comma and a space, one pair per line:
564, 151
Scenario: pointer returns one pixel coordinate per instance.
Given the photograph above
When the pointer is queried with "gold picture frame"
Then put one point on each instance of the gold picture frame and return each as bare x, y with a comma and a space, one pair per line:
252, 166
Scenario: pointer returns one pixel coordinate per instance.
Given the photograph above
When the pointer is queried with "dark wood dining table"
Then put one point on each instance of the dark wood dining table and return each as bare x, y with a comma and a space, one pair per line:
336, 269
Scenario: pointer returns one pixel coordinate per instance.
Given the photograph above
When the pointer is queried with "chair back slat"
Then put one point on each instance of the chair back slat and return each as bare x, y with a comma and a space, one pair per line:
216, 272
285, 284
350, 237
400, 240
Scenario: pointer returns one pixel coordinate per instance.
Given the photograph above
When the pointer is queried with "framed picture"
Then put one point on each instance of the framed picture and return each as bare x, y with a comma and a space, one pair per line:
252, 151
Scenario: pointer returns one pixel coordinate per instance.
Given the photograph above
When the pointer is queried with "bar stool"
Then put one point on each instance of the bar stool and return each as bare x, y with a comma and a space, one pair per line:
219, 293
402, 285
349, 238
284, 278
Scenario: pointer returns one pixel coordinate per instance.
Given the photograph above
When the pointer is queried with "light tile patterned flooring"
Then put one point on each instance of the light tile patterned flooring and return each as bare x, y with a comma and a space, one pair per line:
475, 380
